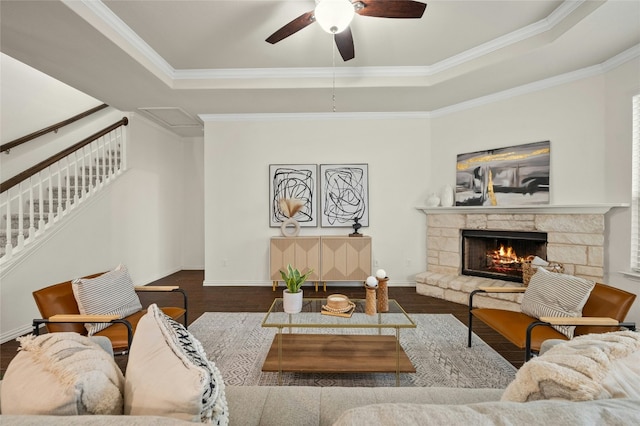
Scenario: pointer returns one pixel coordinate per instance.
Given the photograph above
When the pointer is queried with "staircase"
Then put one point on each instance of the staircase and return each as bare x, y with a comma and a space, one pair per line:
31, 208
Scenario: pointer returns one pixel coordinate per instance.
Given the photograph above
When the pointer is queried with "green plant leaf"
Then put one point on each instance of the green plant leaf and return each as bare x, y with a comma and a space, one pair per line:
293, 279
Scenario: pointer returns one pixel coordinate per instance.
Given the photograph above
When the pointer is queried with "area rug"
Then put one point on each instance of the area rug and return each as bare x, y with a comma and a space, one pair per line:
238, 345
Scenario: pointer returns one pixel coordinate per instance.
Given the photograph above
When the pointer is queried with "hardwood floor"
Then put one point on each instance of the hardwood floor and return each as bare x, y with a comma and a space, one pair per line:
258, 299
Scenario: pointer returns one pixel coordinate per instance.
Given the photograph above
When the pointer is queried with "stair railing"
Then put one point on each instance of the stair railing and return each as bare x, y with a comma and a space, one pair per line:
36, 199
53, 128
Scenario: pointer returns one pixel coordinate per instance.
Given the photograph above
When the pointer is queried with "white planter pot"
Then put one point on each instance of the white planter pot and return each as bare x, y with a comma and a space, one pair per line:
292, 302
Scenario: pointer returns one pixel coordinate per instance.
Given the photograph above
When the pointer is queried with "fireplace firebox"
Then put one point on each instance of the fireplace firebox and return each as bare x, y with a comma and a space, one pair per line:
500, 254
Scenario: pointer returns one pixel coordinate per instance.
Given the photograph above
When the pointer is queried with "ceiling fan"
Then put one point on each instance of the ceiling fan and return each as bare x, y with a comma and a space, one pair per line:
334, 16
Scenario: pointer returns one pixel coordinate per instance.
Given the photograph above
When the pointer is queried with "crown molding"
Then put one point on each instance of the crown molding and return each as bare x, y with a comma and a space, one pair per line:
96, 13
592, 71
115, 29
109, 24
314, 116
556, 17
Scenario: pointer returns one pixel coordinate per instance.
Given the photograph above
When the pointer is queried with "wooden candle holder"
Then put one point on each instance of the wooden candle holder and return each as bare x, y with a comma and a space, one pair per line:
383, 295
370, 301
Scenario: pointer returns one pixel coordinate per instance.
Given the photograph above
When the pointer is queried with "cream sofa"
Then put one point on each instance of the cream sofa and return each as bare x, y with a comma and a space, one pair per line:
297, 405
592, 379
271, 405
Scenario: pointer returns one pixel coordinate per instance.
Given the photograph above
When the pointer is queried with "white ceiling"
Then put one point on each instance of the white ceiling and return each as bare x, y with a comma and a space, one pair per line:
210, 57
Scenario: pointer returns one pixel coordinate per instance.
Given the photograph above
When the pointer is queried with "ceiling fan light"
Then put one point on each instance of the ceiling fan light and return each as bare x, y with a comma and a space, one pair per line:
334, 16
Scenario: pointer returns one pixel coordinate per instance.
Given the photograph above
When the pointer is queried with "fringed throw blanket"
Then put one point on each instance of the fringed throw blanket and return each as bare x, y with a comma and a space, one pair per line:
589, 367
62, 374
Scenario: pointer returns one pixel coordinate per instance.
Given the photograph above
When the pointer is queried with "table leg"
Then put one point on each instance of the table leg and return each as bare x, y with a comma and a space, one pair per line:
280, 356
397, 356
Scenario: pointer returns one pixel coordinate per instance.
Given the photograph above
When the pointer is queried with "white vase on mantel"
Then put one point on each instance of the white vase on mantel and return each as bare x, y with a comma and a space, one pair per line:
433, 200
292, 302
447, 196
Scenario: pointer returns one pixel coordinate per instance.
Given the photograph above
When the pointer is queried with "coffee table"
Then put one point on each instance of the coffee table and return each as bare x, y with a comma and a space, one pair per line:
294, 349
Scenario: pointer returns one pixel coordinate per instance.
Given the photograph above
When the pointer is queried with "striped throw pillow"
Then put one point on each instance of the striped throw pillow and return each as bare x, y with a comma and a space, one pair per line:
551, 294
111, 293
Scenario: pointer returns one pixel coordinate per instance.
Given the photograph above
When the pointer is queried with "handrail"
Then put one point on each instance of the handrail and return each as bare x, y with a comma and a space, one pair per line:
53, 128
11, 182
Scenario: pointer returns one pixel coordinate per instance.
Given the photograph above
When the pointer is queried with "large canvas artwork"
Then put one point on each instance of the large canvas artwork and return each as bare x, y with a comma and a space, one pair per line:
344, 194
517, 175
292, 185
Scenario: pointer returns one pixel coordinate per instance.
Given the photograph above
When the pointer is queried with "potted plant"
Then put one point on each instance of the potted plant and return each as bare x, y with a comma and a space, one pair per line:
292, 295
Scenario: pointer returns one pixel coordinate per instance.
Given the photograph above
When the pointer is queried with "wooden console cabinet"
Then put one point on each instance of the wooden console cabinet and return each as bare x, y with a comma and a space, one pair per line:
300, 252
332, 258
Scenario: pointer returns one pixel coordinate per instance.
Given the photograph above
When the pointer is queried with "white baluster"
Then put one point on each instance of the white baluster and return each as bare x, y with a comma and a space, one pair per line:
60, 189
77, 181
32, 217
91, 187
109, 156
20, 242
100, 170
8, 247
123, 149
40, 205
116, 135
68, 175
84, 172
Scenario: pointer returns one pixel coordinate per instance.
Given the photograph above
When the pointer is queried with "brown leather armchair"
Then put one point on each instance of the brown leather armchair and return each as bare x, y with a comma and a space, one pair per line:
60, 312
605, 310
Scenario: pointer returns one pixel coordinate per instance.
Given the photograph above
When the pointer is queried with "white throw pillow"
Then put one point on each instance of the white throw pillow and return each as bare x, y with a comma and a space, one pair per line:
550, 294
111, 293
62, 374
168, 374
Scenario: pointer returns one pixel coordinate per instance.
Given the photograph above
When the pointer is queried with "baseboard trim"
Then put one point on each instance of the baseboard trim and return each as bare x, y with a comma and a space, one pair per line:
220, 283
17, 332
164, 274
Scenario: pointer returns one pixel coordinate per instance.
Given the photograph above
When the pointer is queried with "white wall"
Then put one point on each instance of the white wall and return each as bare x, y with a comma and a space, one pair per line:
31, 153
571, 116
31, 101
137, 221
41, 102
192, 221
589, 125
237, 155
621, 84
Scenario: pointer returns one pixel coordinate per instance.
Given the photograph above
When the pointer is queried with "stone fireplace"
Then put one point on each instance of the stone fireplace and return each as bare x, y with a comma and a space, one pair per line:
574, 237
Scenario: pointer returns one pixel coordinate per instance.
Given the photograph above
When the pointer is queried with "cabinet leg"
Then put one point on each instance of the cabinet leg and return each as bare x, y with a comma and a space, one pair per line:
274, 284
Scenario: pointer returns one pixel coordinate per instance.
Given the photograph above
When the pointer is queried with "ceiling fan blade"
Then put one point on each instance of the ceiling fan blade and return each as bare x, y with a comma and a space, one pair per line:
292, 27
344, 42
390, 8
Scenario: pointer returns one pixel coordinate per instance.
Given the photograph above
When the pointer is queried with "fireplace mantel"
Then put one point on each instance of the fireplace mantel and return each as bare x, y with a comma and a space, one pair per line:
539, 209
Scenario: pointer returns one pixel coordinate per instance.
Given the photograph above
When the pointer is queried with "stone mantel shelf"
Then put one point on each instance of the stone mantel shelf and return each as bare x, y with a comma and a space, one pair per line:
540, 209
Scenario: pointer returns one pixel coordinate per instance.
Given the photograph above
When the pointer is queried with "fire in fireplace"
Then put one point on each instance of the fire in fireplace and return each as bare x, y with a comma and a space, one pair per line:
500, 254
